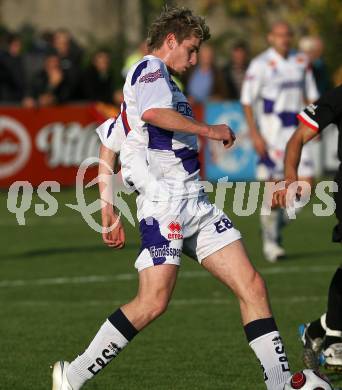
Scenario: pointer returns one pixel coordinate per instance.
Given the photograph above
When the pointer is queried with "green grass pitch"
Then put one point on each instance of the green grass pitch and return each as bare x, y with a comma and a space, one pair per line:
58, 282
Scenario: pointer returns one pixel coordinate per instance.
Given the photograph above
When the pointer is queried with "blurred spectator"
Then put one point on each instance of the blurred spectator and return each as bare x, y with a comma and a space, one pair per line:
98, 82
49, 86
234, 71
40, 47
313, 47
12, 75
205, 81
70, 55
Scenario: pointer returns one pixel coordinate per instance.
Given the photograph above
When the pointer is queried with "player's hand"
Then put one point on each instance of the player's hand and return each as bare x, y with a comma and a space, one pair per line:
115, 238
286, 197
222, 133
259, 144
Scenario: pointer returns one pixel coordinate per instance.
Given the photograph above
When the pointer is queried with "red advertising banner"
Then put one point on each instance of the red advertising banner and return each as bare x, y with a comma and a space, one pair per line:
49, 144
46, 143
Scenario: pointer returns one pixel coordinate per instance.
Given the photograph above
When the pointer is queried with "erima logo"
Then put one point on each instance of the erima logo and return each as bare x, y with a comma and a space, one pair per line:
175, 228
164, 251
312, 108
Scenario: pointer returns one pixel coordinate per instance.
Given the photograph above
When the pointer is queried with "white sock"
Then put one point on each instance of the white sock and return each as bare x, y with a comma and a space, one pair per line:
267, 344
106, 345
270, 226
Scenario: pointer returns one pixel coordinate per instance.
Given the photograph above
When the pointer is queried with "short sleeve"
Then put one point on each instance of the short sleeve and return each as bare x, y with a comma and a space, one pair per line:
112, 134
152, 87
252, 83
325, 111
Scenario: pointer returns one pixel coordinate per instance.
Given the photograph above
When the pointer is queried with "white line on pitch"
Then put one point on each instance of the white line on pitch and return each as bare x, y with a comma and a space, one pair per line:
133, 276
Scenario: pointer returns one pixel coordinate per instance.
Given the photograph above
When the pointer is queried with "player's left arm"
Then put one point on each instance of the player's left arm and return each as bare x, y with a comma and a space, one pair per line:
112, 135
113, 233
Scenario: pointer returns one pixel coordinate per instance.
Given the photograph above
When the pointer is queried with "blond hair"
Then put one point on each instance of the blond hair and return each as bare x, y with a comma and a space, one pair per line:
179, 21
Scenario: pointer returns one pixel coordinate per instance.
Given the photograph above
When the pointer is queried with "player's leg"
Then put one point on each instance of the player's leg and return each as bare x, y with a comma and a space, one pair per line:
157, 264
324, 332
332, 346
155, 288
232, 267
312, 336
270, 218
218, 247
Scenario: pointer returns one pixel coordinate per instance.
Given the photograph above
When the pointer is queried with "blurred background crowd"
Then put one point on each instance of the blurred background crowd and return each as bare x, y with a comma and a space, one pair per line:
42, 67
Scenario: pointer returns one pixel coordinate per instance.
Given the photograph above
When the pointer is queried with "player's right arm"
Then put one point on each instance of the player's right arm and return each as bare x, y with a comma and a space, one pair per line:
167, 118
249, 95
154, 99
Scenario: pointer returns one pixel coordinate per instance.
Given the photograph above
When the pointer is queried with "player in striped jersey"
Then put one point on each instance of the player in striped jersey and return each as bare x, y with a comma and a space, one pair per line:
277, 85
174, 214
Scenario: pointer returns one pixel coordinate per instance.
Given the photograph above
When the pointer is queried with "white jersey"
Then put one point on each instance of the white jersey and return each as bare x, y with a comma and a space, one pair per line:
112, 134
134, 170
173, 165
278, 89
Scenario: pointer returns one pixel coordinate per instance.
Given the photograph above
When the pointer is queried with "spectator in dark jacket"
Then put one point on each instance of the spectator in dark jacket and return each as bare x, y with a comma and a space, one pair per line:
12, 75
70, 55
98, 83
234, 71
49, 86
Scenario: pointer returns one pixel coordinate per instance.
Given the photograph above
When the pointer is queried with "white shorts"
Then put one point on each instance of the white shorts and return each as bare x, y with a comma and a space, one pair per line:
193, 226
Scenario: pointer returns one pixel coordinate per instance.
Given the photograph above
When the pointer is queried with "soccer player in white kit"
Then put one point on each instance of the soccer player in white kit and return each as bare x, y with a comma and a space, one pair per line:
278, 84
173, 211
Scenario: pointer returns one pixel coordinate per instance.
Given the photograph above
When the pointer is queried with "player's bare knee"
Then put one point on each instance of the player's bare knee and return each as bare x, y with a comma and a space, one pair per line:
154, 305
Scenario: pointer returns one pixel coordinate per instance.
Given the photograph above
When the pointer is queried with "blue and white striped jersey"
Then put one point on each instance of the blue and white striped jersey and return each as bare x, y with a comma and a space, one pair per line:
278, 88
173, 166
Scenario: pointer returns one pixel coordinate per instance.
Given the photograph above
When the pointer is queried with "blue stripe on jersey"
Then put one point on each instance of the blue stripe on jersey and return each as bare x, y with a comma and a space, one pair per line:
138, 71
159, 138
189, 159
151, 238
268, 106
288, 119
111, 127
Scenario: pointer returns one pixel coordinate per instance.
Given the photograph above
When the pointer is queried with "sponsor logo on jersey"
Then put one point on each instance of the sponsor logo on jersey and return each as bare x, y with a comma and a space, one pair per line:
184, 109
292, 84
151, 77
175, 229
164, 251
